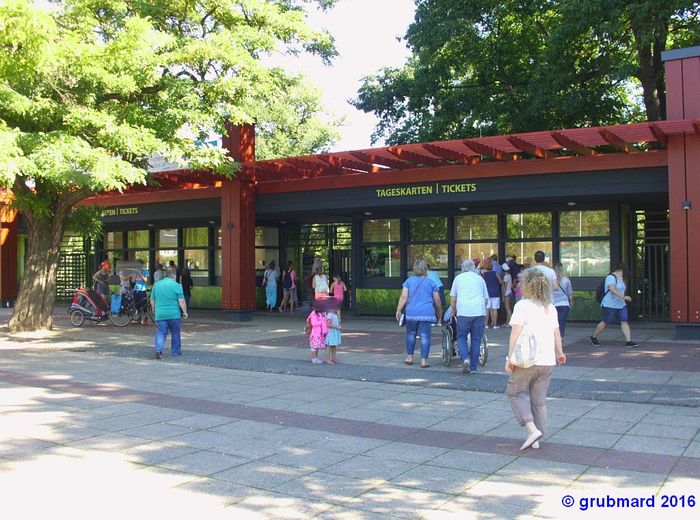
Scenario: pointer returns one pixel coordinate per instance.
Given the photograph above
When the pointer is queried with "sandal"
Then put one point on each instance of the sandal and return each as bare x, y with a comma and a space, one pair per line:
425, 366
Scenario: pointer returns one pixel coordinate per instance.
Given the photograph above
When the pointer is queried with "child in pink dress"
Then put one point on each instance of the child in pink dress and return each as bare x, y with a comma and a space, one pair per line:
338, 289
318, 324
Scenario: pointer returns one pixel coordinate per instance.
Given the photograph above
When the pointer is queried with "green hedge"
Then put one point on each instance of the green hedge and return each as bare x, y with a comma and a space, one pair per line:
377, 301
382, 302
585, 307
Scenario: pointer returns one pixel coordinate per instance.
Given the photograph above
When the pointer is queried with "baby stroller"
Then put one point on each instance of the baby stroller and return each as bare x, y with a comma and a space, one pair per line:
449, 340
87, 303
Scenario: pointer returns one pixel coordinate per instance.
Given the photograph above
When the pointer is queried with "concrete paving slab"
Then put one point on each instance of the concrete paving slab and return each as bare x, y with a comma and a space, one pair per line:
657, 445
203, 463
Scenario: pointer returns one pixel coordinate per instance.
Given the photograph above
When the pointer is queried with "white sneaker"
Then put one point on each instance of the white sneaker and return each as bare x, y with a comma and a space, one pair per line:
535, 445
317, 361
496, 327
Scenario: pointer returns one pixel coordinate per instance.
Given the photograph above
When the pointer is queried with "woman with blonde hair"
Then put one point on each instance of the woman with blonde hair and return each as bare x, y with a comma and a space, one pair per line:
421, 301
536, 317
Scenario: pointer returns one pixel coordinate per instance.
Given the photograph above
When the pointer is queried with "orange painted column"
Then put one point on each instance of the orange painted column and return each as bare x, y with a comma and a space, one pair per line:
8, 255
683, 102
238, 229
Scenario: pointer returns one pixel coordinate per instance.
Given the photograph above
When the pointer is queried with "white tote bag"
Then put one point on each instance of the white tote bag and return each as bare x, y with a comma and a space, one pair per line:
525, 351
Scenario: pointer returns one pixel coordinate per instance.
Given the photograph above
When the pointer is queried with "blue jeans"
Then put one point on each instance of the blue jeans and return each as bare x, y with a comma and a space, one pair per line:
163, 327
423, 329
473, 326
562, 315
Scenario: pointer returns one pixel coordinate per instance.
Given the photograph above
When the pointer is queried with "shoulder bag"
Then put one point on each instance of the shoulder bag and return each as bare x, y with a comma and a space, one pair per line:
525, 350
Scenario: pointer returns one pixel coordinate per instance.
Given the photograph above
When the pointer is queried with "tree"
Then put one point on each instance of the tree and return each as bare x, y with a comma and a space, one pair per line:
89, 89
502, 66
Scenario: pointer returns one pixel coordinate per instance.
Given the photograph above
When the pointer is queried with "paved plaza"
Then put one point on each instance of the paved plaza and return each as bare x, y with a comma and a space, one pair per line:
244, 426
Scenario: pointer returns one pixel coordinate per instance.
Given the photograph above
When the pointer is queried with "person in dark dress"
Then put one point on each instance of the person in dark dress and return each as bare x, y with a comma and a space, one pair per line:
187, 284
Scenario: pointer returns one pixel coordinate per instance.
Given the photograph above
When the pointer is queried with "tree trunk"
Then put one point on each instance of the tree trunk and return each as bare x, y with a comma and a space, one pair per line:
650, 41
37, 291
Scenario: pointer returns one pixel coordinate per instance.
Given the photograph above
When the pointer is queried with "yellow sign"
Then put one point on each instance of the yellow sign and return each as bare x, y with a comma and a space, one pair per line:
115, 212
439, 188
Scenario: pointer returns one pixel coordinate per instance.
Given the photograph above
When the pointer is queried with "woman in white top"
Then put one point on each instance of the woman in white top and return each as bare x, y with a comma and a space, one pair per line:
562, 296
270, 277
539, 316
320, 281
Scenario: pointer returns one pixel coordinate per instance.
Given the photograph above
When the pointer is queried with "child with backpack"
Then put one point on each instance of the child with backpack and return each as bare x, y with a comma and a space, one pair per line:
317, 329
612, 299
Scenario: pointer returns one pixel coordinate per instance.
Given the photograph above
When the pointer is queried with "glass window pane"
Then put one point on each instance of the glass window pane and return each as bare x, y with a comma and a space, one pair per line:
263, 257
584, 223
217, 263
428, 228
137, 239
525, 251
114, 240
387, 230
166, 239
196, 237
132, 256
529, 225
218, 237
476, 227
382, 261
585, 258
473, 250
267, 236
197, 261
434, 254
163, 256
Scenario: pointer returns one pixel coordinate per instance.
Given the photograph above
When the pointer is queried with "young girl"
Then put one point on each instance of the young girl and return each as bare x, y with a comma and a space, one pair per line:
333, 338
317, 325
338, 289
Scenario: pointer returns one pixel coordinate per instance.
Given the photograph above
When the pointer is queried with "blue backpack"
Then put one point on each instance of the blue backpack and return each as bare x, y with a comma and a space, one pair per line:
116, 303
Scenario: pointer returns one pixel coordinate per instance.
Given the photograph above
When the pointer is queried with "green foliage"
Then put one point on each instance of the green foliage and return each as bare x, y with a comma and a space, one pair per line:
89, 89
502, 66
377, 301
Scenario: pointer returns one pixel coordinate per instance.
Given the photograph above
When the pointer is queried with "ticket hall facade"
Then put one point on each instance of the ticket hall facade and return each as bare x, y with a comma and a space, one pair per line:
588, 197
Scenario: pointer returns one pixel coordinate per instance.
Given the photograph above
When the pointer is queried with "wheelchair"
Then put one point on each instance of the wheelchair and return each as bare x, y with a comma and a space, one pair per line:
449, 341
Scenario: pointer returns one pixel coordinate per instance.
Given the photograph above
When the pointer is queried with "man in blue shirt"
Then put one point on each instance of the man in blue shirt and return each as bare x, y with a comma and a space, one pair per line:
168, 302
468, 298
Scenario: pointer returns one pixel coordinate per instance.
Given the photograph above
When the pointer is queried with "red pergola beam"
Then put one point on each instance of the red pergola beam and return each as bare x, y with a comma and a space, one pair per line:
408, 155
451, 155
490, 151
350, 164
528, 147
659, 134
614, 140
570, 144
381, 160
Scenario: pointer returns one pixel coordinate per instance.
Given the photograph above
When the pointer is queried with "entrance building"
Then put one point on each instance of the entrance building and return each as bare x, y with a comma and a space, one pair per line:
588, 197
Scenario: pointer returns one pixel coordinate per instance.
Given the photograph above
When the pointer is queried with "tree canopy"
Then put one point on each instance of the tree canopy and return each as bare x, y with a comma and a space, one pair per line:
90, 89
503, 66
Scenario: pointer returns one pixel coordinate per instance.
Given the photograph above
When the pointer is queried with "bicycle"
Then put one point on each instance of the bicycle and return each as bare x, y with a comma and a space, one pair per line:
130, 312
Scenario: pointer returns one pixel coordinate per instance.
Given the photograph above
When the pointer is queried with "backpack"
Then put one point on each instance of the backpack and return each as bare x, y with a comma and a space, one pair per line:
601, 291
286, 280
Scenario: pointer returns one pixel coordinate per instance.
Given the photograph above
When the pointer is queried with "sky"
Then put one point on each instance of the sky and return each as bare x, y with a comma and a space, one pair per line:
365, 33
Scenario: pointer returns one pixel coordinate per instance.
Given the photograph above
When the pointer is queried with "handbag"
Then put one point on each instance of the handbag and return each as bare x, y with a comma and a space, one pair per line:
402, 317
525, 350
